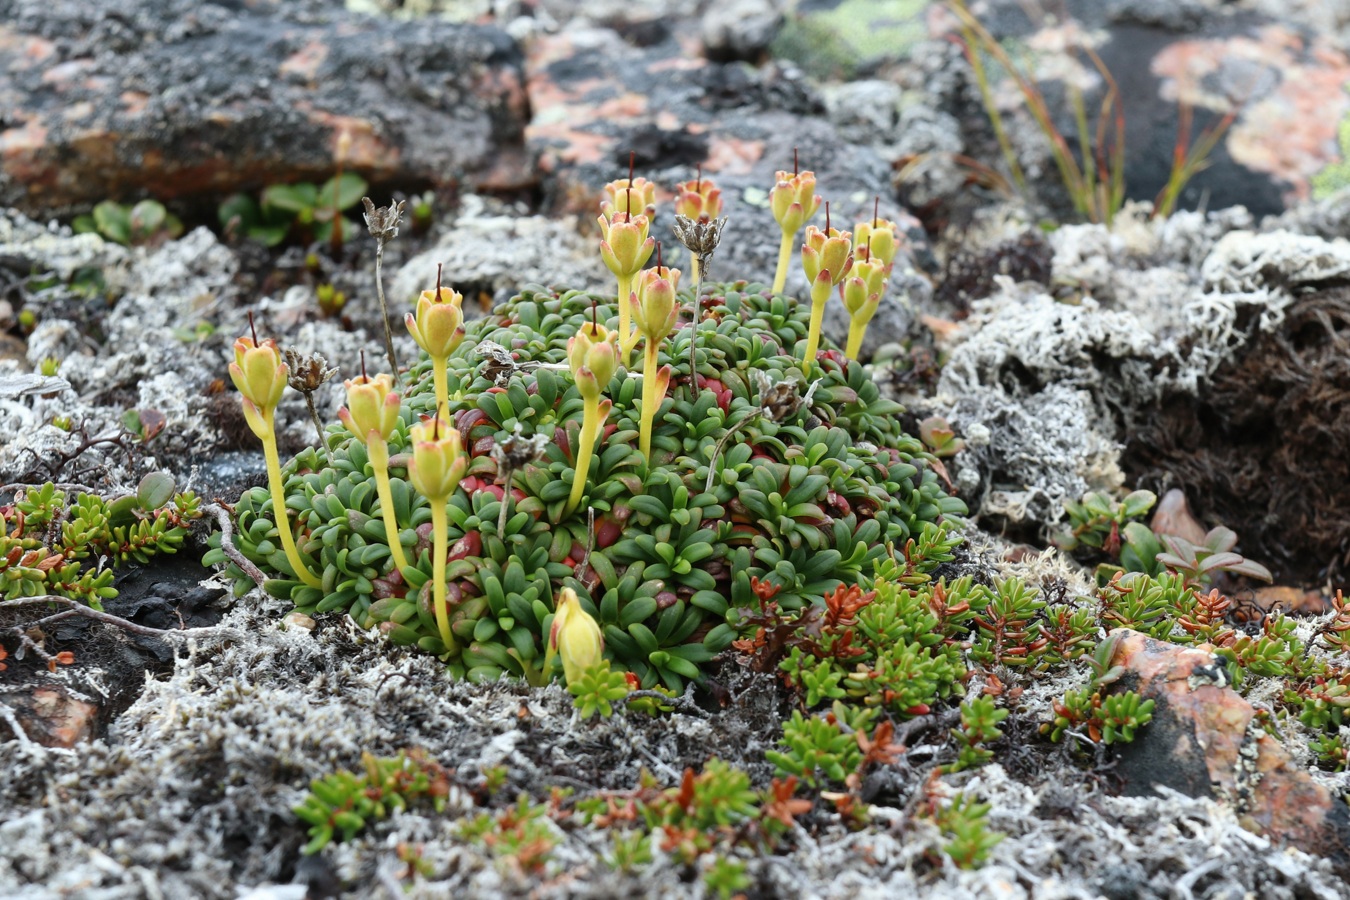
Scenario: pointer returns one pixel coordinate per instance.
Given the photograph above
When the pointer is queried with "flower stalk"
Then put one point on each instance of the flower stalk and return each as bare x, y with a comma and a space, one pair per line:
625, 245
260, 376
371, 414
698, 225
656, 310
382, 223
827, 257
793, 201
593, 356
438, 328
438, 463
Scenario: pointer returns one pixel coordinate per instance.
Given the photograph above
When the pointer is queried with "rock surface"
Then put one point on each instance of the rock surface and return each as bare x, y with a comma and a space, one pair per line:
178, 98
1205, 741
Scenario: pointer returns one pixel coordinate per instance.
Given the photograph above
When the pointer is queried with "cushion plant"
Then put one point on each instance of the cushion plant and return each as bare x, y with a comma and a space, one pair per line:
802, 495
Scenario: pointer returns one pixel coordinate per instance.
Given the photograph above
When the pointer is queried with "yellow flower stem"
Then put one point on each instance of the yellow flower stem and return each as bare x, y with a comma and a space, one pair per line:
856, 333
590, 425
379, 461
818, 300
649, 400
277, 487
626, 340
438, 367
784, 259
440, 542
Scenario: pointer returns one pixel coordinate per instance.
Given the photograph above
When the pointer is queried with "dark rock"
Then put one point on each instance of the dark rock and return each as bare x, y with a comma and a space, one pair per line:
740, 29
1172, 15
180, 97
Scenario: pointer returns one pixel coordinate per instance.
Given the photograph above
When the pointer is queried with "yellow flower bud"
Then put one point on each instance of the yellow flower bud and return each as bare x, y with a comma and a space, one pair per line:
438, 326
372, 407
877, 242
657, 309
593, 355
632, 198
575, 636
700, 197
830, 252
625, 246
259, 373
438, 461
793, 200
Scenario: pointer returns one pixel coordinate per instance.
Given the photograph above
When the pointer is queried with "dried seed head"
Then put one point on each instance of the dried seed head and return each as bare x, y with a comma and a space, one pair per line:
307, 373
383, 221
782, 400
516, 450
498, 364
700, 237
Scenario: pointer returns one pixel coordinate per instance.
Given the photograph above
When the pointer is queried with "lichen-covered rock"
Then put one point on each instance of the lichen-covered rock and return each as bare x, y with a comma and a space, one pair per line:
176, 98
1205, 740
490, 250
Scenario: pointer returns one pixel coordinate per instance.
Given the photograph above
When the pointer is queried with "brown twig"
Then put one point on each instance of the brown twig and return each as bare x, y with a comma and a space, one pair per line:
227, 543
77, 608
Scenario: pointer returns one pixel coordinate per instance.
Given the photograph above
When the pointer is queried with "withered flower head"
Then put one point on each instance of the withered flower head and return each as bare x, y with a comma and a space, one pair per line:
782, 400
516, 450
383, 221
307, 373
700, 237
498, 364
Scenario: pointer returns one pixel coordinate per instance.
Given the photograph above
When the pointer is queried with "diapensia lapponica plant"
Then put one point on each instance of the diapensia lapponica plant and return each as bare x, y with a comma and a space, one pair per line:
521, 458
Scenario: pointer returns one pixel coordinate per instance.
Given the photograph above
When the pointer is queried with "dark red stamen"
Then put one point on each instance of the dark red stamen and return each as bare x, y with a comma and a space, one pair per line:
700, 178
438, 282
794, 162
876, 207
594, 323
252, 329
365, 379
658, 258
436, 425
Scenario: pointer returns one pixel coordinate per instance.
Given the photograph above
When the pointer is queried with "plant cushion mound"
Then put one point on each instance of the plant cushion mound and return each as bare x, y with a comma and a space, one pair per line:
807, 502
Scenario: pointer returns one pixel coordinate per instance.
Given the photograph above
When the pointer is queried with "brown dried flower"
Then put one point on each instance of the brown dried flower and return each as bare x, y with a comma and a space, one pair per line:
701, 236
383, 221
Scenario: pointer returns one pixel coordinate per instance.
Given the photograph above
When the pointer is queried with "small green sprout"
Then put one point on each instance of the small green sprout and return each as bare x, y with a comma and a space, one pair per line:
1096, 521
304, 210
49, 366
339, 806
939, 437
725, 877
146, 223
331, 300
979, 725
968, 839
